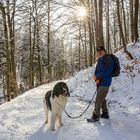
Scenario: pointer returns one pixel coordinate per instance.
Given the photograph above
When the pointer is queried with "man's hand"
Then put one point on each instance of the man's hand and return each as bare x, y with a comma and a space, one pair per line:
96, 80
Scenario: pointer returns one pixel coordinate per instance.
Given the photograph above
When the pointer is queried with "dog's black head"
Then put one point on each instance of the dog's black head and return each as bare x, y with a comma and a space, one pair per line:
61, 88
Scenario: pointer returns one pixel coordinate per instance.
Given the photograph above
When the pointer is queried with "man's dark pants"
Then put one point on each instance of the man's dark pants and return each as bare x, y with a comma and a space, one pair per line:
100, 102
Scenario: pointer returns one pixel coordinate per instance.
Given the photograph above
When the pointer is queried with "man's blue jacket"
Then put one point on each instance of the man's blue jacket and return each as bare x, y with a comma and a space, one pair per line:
104, 70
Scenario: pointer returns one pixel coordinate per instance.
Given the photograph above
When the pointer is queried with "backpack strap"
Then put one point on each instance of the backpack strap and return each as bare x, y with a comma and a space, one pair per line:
107, 58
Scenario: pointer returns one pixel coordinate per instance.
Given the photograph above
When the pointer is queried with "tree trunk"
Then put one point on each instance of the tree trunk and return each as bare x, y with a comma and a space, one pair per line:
124, 19
136, 11
96, 23
31, 81
7, 51
107, 27
39, 58
11, 27
92, 20
48, 42
121, 30
79, 47
90, 40
101, 38
39, 70
99, 22
131, 2
85, 50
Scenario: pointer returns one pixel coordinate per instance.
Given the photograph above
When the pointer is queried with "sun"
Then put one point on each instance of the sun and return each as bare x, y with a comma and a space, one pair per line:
81, 12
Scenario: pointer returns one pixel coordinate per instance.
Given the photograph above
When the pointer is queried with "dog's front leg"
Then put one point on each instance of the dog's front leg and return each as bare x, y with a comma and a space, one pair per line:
46, 111
60, 120
52, 121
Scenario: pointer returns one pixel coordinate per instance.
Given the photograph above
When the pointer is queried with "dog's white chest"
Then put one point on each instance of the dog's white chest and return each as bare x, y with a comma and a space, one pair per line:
59, 103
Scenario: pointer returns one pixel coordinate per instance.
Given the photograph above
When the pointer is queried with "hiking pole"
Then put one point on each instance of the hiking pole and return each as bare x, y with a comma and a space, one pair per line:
83, 111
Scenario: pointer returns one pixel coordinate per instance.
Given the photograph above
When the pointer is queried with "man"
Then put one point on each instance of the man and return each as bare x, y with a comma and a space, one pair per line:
103, 79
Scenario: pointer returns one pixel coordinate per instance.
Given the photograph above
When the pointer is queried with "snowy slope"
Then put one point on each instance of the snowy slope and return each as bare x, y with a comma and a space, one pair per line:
23, 117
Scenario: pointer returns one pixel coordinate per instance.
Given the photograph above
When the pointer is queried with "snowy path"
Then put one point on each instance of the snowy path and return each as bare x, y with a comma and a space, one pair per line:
23, 119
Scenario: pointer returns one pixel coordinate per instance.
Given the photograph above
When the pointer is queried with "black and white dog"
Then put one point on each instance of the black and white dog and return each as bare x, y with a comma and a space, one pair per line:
55, 101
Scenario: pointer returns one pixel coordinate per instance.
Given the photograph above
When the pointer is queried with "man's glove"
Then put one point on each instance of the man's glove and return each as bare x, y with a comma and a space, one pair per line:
96, 80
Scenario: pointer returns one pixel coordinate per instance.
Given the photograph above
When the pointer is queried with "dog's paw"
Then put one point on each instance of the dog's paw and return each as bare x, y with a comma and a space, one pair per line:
51, 129
60, 125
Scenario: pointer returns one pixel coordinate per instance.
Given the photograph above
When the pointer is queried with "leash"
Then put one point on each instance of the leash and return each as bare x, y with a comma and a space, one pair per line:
83, 111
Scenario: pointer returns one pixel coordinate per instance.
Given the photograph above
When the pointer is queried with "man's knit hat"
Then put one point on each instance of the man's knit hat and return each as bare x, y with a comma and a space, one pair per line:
100, 48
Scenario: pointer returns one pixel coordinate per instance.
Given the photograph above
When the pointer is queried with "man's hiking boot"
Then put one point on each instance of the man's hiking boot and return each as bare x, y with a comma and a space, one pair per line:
105, 115
94, 118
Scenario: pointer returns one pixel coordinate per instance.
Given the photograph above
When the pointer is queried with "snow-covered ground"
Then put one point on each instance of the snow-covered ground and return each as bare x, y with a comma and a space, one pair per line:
23, 118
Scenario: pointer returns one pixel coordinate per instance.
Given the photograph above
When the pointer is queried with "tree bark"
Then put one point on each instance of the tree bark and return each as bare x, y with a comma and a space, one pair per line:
48, 43
101, 38
31, 81
7, 51
124, 21
99, 22
107, 27
96, 22
90, 37
131, 2
85, 48
136, 5
11, 27
79, 47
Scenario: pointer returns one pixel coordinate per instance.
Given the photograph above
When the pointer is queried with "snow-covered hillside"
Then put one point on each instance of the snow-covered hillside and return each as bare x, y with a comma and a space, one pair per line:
23, 118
